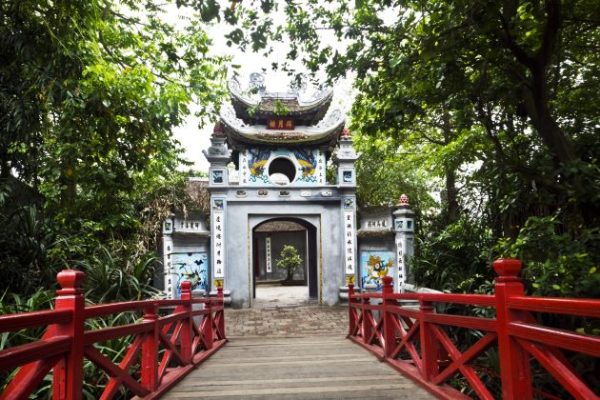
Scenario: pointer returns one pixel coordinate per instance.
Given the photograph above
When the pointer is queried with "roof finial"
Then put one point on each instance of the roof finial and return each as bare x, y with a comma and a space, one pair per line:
218, 130
403, 200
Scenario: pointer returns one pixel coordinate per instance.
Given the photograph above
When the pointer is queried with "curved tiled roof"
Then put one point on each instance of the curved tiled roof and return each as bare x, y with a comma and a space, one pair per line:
256, 108
326, 130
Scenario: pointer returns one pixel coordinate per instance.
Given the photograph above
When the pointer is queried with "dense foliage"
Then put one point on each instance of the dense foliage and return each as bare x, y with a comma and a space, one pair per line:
486, 113
89, 95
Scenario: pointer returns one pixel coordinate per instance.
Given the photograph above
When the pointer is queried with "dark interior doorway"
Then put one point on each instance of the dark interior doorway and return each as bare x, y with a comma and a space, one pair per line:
274, 233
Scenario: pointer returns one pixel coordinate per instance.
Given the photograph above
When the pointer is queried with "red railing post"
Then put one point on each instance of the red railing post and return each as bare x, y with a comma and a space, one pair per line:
429, 344
389, 336
187, 329
515, 370
221, 320
67, 381
208, 332
352, 321
366, 321
149, 365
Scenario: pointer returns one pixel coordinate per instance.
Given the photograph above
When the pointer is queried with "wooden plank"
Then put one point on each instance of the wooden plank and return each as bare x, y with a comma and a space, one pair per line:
294, 368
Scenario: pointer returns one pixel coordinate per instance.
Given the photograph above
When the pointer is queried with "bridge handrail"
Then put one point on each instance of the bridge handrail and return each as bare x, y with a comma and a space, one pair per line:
16, 322
483, 300
413, 340
556, 305
66, 343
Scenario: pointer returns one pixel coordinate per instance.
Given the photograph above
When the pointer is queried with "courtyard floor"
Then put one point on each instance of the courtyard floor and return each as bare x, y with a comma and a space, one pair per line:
276, 295
285, 311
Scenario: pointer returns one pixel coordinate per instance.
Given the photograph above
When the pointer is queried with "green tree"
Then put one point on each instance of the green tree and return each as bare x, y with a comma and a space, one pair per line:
89, 95
289, 260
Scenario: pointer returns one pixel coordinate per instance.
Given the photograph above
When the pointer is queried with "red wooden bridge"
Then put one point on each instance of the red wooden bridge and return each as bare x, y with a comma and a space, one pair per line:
170, 342
437, 340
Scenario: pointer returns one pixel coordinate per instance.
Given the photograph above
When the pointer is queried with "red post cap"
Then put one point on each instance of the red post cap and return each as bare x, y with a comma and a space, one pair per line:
70, 280
186, 286
388, 287
507, 267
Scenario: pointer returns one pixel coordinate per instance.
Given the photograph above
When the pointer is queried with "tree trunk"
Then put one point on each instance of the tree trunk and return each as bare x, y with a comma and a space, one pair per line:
451, 195
536, 104
450, 175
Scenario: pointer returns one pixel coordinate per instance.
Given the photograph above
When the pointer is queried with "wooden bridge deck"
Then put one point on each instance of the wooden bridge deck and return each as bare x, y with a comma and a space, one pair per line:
309, 367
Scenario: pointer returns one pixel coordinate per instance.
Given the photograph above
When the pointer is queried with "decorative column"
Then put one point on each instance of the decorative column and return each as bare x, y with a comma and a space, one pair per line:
345, 159
346, 156
170, 274
404, 226
218, 155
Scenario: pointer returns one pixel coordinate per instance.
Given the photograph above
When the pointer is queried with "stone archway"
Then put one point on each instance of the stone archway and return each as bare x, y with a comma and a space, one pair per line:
273, 232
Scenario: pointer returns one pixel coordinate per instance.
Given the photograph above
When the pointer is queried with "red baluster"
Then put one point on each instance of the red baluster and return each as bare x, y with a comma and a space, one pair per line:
515, 370
429, 343
186, 328
68, 374
367, 328
351, 312
389, 337
208, 332
221, 319
150, 349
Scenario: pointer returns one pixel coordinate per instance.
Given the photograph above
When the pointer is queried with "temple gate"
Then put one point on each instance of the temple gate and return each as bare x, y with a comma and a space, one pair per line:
280, 145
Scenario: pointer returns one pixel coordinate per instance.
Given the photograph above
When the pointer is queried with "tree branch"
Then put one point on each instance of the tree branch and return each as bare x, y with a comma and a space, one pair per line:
550, 36
509, 42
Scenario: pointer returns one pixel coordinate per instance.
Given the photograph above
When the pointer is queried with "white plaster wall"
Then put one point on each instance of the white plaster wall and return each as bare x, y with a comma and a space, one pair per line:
242, 217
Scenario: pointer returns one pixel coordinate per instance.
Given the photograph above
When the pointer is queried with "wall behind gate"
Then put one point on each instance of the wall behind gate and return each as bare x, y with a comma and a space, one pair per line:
278, 240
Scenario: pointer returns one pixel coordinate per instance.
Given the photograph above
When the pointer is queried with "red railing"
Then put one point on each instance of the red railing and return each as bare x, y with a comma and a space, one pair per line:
166, 343
418, 341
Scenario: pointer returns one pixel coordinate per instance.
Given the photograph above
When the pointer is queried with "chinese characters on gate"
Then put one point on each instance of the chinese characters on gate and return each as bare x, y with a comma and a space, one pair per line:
268, 255
280, 123
349, 241
218, 243
377, 223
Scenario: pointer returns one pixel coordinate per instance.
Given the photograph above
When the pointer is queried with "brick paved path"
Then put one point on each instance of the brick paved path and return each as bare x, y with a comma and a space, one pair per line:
287, 321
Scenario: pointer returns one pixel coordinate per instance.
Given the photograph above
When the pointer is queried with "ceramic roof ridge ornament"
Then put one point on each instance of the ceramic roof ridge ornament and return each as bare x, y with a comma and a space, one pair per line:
403, 201
256, 92
218, 130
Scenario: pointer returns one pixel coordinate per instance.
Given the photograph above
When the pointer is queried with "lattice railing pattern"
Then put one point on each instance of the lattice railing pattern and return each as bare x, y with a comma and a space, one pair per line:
416, 340
166, 343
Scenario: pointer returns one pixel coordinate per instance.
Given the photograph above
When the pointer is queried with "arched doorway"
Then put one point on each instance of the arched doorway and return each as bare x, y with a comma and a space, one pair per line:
268, 238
